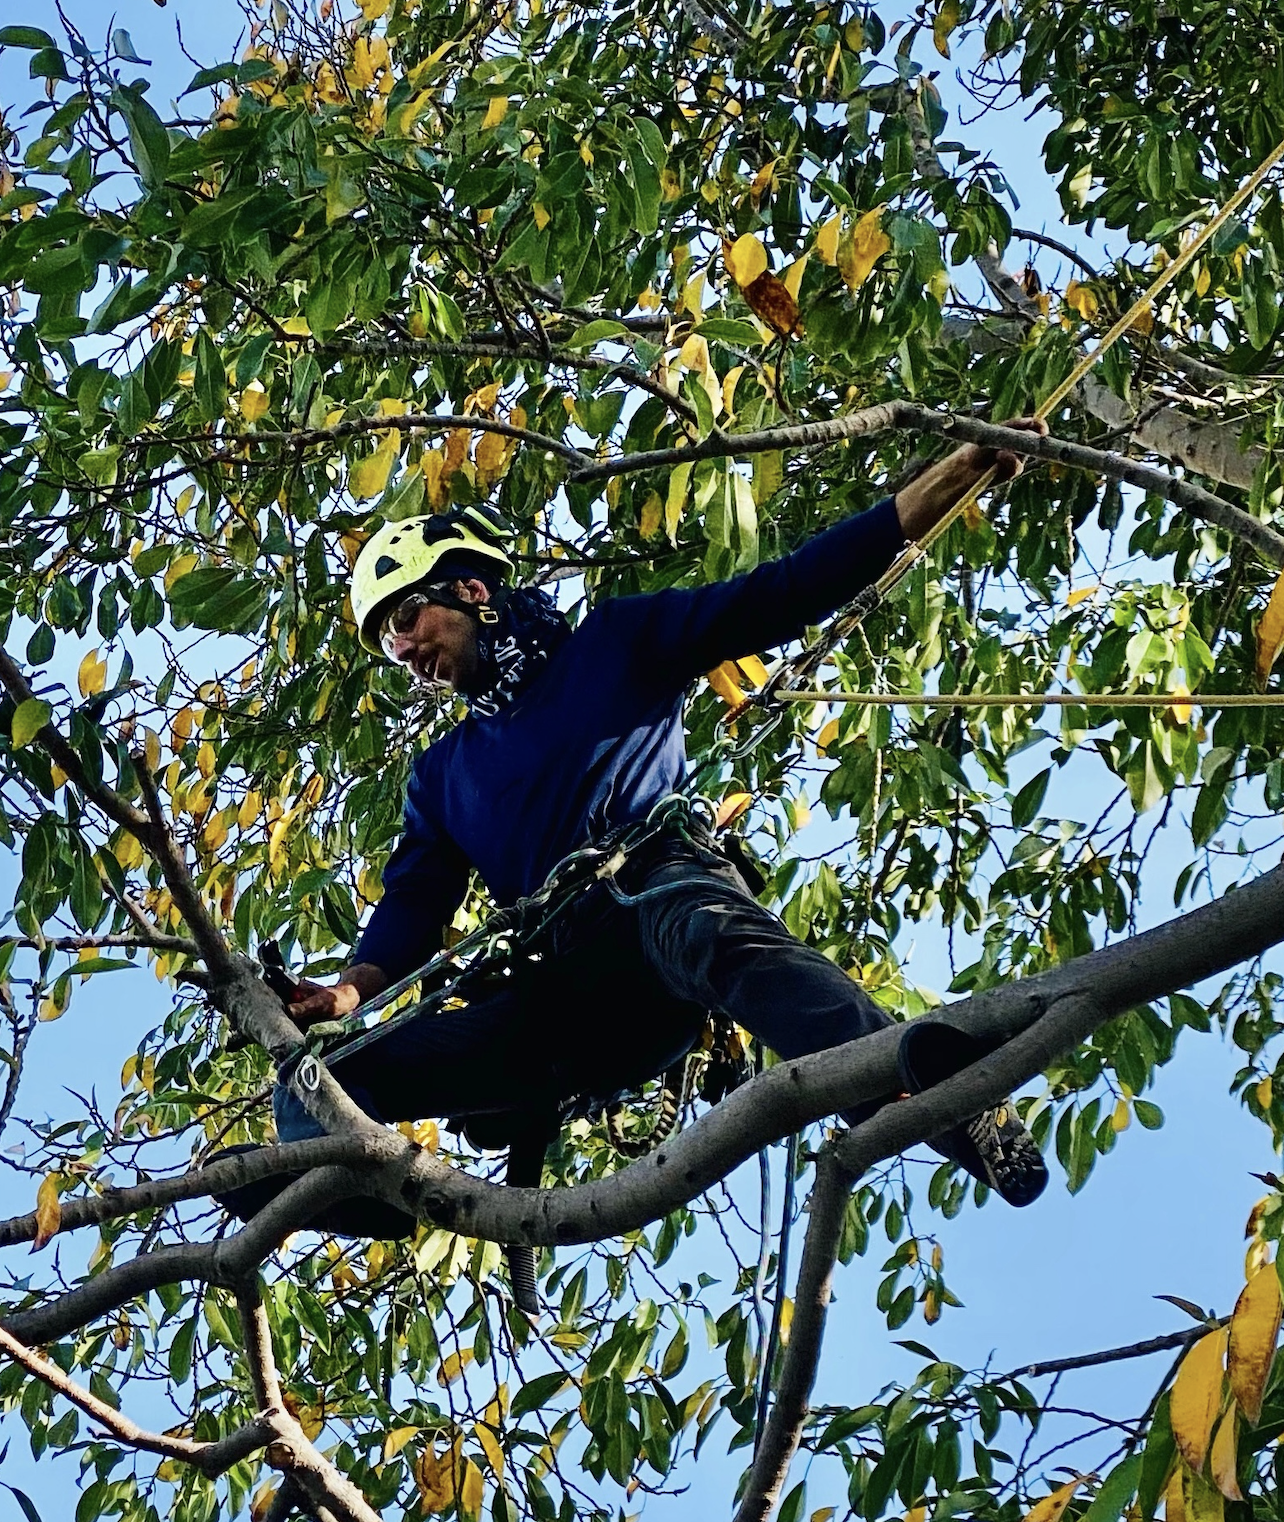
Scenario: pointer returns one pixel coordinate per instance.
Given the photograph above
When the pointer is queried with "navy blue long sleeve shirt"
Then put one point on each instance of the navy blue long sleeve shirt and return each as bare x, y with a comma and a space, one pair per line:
596, 739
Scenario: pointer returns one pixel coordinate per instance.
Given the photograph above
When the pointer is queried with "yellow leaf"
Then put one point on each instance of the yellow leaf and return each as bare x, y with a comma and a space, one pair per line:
771, 301
761, 182
397, 1440
48, 1210
205, 759
1221, 1464
423, 1133
375, 1259
457, 442
496, 111
251, 806
5, 377
1144, 321
745, 259
368, 477
1080, 299
826, 737
651, 516
486, 1436
371, 10
471, 1490
91, 677
676, 500
729, 381
179, 567
181, 723
827, 240
492, 449
453, 1366
752, 669
860, 249
1081, 594
254, 402
825, 1514
947, 19
1203, 280
1270, 631
276, 841
435, 1475
1254, 1329
263, 1498
541, 214
1174, 1500
786, 1305
731, 808
1197, 1397
1050, 1508
693, 296
724, 681
1121, 1116
793, 276
1181, 712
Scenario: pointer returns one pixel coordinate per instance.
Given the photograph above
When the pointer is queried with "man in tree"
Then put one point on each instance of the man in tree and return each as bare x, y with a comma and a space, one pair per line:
571, 736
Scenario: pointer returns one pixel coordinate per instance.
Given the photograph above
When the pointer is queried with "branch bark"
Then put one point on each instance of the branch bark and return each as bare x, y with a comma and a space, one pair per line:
212, 1459
1039, 1018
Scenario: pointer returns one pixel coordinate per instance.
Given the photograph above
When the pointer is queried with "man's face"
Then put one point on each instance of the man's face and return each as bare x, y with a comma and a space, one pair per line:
440, 647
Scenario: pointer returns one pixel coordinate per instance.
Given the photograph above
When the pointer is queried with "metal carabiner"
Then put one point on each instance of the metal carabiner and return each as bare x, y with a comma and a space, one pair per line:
308, 1074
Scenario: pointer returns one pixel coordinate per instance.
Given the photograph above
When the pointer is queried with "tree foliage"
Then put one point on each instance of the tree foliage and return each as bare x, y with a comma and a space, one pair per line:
432, 252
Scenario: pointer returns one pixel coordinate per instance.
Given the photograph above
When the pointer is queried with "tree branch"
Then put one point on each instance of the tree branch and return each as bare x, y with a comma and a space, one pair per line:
1040, 1018
1114, 1355
212, 1459
779, 1442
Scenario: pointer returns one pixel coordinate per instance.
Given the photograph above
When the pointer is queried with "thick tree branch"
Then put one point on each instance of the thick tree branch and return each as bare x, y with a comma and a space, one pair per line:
770, 1469
215, 1177
913, 417
122, 942
1040, 1018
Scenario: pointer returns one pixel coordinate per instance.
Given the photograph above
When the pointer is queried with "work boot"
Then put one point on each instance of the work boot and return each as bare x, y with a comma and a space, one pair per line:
993, 1146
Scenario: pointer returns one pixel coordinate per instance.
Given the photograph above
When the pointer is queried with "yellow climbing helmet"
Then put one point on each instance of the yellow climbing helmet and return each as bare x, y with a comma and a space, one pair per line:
399, 556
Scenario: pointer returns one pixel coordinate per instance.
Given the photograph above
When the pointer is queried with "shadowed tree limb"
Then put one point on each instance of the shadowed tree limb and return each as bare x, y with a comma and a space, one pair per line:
1142, 1349
1040, 1018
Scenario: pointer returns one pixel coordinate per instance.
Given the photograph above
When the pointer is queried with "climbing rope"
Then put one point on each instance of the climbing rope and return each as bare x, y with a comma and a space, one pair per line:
1039, 699
780, 687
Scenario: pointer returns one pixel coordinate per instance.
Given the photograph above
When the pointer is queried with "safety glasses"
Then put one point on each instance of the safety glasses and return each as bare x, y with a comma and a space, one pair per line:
401, 619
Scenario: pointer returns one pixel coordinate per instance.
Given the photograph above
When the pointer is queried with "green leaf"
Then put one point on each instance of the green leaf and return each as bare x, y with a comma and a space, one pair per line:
1156, 1460
218, 597
791, 1508
594, 332
147, 136
29, 719
25, 37
1149, 1115
180, 1352
20, 1496
538, 1392
727, 330
1117, 1489
1029, 800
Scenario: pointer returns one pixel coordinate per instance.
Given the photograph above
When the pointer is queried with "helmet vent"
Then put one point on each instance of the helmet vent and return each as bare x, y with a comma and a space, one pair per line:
385, 566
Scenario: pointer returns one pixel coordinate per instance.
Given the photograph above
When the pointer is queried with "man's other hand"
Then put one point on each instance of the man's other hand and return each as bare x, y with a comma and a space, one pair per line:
314, 1002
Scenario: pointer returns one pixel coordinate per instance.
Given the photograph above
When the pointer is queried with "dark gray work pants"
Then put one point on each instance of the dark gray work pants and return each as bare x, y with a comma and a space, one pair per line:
621, 993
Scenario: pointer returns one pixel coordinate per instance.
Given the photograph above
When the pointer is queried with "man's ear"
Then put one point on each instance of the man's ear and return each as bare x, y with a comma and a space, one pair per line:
472, 590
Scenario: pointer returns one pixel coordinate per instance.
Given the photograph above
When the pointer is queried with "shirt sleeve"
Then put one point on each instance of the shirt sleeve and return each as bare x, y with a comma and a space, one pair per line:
687, 631
423, 884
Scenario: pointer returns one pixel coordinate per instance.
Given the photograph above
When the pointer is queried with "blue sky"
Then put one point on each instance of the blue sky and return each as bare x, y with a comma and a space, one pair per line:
1163, 1214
